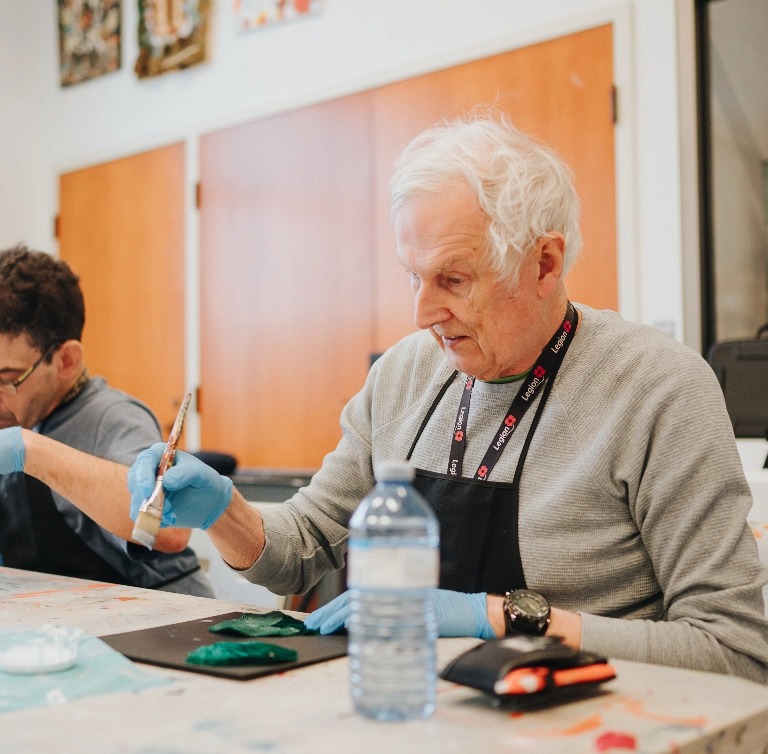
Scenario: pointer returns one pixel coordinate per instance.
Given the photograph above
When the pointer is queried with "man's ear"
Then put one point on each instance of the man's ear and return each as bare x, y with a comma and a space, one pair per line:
71, 358
550, 252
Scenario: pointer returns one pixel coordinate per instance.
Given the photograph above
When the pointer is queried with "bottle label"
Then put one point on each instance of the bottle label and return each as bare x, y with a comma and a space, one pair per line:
377, 567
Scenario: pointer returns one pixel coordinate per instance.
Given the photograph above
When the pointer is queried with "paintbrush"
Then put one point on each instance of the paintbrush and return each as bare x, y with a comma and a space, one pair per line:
151, 511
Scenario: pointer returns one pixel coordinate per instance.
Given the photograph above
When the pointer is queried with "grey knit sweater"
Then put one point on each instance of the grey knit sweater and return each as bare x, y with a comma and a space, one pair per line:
633, 501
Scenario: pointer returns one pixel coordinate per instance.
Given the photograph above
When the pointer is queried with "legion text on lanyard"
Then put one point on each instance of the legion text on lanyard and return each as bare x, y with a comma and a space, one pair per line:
549, 360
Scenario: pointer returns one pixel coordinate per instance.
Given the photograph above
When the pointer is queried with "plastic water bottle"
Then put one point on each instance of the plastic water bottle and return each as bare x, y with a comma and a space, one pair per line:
393, 566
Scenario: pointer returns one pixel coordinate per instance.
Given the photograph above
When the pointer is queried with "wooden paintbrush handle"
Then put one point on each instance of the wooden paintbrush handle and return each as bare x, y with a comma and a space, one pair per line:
166, 460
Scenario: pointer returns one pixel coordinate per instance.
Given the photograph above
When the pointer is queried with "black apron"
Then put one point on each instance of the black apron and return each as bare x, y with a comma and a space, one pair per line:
35, 536
479, 542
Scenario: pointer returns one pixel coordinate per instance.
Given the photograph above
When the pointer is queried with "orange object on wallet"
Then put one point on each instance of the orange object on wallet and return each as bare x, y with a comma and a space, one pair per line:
531, 680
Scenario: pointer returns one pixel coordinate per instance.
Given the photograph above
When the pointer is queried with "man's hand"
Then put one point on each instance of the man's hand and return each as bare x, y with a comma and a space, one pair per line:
458, 614
12, 452
195, 494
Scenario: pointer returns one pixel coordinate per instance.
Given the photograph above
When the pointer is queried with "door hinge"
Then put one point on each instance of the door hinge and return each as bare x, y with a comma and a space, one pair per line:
614, 104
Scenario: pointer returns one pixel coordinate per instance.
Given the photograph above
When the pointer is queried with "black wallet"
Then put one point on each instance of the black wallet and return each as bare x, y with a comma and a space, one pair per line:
529, 667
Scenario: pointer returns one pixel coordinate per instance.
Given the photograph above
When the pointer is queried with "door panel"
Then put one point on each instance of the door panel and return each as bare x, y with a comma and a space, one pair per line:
286, 280
121, 229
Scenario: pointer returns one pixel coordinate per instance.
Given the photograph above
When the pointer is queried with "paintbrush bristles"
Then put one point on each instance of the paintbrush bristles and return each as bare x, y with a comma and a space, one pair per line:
150, 516
145, 529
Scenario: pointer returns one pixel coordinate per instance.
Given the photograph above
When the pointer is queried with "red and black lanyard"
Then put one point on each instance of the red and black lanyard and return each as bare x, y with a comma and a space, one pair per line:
546, 368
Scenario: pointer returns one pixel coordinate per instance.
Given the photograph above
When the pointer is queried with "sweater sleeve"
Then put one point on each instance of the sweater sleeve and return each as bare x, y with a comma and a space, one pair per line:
689, 499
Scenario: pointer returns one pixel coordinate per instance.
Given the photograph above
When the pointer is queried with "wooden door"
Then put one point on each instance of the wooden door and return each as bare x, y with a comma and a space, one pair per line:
121, 229
285, 282
299, 278
561, 92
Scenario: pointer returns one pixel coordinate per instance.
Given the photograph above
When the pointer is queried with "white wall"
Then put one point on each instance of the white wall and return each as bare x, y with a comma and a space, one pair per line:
355, 45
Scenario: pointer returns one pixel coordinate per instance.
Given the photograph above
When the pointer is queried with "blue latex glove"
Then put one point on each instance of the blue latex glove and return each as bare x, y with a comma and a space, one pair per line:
12, 451
195, 494
331, 617
458, 614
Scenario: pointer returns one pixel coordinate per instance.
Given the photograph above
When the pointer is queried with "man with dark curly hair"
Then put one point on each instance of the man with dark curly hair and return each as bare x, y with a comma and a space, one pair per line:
66, 439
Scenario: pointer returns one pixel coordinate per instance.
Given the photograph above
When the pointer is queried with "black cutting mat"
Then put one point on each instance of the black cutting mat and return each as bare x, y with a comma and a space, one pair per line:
169, 646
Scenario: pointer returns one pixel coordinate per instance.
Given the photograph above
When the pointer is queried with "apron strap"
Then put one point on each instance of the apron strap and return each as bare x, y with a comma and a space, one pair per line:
516, 560
431, 411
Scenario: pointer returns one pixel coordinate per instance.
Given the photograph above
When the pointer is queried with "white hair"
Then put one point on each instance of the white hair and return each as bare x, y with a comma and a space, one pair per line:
524, 187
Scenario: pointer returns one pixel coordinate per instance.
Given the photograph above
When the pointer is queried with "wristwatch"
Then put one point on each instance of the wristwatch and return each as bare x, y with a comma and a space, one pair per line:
525, 612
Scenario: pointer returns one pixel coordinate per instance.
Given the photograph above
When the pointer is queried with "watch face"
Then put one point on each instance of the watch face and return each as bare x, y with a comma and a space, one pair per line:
532, 605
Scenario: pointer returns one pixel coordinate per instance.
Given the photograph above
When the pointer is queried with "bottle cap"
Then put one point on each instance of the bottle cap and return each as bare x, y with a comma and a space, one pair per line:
393, 471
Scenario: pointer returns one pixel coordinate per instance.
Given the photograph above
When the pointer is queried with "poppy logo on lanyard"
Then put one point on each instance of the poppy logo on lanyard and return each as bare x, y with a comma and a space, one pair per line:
461, 417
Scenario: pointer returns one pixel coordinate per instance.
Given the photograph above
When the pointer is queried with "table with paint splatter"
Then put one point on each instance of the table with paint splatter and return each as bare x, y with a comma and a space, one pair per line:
647, 709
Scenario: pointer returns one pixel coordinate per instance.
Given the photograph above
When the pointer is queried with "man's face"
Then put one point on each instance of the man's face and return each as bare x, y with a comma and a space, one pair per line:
483, 329
37, 395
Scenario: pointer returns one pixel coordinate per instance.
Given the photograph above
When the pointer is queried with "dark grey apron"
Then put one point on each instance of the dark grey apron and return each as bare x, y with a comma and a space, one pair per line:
35, 536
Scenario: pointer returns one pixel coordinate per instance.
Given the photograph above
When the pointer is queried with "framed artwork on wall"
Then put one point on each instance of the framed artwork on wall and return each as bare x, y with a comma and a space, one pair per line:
89, 39
172, 35
256, 14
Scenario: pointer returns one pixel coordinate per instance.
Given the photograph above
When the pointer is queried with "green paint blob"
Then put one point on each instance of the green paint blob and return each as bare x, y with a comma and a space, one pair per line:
241, 653
275, 623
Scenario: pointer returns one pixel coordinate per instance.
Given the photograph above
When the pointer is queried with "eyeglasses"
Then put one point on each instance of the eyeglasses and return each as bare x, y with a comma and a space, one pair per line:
12, 386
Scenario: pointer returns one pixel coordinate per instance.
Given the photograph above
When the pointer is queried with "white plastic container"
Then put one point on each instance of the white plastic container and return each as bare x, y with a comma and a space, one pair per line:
42, 649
